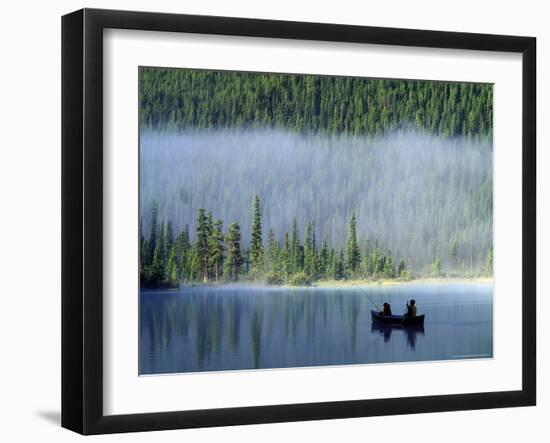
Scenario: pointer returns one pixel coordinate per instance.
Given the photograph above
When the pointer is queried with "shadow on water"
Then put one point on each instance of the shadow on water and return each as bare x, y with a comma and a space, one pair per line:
386, 330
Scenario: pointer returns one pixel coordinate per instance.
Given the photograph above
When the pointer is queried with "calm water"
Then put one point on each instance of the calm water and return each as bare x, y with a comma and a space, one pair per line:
224, 328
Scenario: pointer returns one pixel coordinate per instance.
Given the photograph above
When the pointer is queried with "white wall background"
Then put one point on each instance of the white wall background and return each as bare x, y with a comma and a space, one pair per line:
30, 216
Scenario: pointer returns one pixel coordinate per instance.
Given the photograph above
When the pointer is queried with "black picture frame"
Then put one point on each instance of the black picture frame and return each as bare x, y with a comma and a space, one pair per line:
82, 218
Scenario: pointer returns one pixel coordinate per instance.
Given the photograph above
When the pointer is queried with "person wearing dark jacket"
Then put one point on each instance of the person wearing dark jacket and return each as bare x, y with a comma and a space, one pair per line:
411, 309
386, 309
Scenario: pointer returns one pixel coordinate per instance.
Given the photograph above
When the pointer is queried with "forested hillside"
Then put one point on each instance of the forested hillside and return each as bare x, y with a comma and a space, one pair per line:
401, 169
177, 99
414, 193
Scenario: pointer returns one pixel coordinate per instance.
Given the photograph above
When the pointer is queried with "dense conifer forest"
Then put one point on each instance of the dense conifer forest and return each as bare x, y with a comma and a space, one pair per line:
292, 179
179, 99
168, 260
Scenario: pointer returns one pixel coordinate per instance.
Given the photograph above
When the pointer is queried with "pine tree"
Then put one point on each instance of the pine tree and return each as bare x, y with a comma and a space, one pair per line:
201, 245
389, 270
286, 257
209, 222
157, 267
377, 263
161, 243
233, 261
296, 250
182, 248
172, 268
324, 260
157, 270
401, 268
245, 252
256, 244
169, 236
310, 253
273, 253
194, 265
354, 255
340, 271
216, 249
333, 265
368, 260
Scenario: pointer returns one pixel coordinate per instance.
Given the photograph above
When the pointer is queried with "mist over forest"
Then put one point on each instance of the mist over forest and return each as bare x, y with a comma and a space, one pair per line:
412, 192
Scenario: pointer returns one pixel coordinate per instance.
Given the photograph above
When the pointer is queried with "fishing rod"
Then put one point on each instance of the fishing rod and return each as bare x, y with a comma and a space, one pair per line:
370, 300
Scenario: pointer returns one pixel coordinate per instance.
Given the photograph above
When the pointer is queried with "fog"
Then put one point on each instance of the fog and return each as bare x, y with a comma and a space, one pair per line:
413, 192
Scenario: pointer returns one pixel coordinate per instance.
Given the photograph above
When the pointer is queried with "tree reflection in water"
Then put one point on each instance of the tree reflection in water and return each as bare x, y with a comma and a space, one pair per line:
244, 327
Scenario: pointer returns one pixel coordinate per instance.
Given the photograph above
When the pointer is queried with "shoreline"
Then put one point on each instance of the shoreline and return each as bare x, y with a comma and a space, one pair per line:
343, 284
394, 282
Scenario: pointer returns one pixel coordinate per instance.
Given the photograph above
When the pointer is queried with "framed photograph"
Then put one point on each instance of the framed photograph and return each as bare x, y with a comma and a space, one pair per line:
269, 221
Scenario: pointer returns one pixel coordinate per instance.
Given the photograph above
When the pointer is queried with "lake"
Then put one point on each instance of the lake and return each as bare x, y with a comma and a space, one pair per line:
220, 328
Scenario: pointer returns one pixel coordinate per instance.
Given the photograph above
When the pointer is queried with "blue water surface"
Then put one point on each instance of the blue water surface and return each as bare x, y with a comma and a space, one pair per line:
220, 328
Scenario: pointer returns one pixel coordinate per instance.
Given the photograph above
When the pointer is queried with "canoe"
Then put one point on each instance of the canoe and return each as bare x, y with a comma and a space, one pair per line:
398, 319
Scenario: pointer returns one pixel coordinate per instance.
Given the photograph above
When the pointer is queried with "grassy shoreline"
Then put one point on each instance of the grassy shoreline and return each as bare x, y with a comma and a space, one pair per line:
327, 284
396, 282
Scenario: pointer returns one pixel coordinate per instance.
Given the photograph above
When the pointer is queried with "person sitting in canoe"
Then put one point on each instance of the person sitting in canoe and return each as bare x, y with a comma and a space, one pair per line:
411, 309
386, 309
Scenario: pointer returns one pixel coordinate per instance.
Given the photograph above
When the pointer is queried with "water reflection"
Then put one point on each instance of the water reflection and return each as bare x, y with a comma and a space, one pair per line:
410, 332
225, 328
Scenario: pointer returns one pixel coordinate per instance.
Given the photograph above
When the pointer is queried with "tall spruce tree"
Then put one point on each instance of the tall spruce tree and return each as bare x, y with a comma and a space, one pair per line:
172, 276
216, 249
377, 262
234, 258
286, 257
324, 258
169, 236
201, 246
273, 253
256, 244
310, 254
340, 272
156, 274
353, 253
333, 265
401, 268
162, 244
296, 250
183, 249
194, 265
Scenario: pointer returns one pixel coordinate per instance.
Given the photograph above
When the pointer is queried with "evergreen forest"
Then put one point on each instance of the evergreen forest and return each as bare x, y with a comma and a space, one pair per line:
293, 179
178, 99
